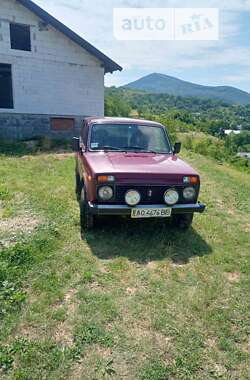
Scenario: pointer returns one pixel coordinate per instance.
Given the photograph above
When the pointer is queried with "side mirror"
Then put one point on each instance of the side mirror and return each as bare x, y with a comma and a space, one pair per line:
76, 144
177, 148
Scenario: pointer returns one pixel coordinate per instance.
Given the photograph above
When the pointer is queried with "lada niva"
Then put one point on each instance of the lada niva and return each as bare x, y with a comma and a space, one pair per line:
129, 167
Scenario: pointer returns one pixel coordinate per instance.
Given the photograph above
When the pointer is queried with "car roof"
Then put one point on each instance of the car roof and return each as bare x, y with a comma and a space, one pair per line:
120, 120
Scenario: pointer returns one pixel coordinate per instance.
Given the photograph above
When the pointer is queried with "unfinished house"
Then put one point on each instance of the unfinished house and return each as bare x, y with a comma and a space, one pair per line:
50, 77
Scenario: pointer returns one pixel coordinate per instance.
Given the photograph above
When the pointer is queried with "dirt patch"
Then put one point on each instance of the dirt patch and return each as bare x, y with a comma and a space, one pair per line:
131, 291
151, 265
76, 371
63, 333
63, 156
179, 262
20, 223
247, 227
28, 332
70, 301
146, 334
210, 343
100, 363
57, 155
95, 286
245, 347
232, 276
231, 212
220, 370
162, 340
220, 204
10, 228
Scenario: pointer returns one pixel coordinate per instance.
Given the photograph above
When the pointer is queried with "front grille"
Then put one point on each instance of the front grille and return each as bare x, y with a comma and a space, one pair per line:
149, 194
156, 191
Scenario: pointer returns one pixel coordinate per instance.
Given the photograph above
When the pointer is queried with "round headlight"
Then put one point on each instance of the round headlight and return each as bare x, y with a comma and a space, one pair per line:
132, 197
105, 193
189, 193
171, 197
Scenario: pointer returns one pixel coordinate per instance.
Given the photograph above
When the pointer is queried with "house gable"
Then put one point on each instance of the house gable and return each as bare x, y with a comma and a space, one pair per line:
109, 64
47, 43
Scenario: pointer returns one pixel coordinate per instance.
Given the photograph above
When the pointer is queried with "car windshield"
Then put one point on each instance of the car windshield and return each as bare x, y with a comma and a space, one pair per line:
129, 137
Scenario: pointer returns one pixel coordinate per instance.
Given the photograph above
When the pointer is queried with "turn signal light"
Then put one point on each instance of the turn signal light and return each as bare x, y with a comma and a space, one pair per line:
105, 178
191, 179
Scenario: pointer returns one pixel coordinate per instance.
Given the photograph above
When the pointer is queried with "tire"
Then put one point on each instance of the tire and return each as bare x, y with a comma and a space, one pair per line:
183, 221
87, 220
79, 186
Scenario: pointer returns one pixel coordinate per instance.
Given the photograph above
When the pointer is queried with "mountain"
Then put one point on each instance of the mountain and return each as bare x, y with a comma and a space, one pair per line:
165, 84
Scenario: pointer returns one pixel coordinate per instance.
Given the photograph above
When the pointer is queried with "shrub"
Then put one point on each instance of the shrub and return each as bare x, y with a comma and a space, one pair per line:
215, 148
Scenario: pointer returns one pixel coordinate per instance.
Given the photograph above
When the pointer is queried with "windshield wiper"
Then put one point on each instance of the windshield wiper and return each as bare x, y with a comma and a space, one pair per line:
128, 148
107, 147
136, 147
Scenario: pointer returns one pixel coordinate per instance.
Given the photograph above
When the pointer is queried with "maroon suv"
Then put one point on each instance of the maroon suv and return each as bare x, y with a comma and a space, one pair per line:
129, 167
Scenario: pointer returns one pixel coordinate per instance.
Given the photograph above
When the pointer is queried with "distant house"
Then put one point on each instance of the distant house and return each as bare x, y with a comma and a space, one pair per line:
244, 155
50, 78
229, 131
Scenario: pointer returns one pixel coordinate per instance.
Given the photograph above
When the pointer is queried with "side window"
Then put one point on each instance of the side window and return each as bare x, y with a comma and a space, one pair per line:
20, 37
6, 95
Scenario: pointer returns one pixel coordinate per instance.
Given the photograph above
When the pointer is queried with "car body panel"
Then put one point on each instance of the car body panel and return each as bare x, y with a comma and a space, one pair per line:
141, 164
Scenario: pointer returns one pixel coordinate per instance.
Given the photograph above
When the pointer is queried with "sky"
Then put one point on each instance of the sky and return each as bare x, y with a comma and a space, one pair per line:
222, 62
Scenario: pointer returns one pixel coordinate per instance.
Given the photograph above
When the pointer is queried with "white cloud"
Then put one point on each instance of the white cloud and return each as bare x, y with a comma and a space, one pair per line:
238, 56
238, 78
241, 5
93, 21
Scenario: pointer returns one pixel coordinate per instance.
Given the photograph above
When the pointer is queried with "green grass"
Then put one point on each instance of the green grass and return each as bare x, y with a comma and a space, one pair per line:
133, 299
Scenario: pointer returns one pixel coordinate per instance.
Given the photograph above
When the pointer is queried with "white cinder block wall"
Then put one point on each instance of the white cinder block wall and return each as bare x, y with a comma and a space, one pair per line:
57, 77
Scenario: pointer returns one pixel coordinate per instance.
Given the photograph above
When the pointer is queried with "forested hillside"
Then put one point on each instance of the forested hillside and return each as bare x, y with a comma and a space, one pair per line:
165, 84
183, 115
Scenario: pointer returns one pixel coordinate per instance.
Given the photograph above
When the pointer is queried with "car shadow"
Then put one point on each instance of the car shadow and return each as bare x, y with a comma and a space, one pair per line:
143, 241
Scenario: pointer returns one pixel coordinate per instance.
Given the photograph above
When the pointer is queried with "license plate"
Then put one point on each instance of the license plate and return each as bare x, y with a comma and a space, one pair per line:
151, 212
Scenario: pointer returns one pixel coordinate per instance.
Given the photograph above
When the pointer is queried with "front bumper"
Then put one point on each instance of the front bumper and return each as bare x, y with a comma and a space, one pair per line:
99, 209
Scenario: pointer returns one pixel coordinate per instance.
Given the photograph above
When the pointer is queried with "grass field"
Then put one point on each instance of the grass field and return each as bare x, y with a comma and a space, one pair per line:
131, 300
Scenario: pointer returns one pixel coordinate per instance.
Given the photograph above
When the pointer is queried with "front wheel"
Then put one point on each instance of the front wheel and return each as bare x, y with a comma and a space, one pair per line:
87, 220
183, 221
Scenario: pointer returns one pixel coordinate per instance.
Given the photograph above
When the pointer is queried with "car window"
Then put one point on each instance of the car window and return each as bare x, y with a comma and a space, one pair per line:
129, 137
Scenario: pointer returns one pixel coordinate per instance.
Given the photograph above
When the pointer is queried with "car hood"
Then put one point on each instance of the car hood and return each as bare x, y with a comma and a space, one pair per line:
139, 166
